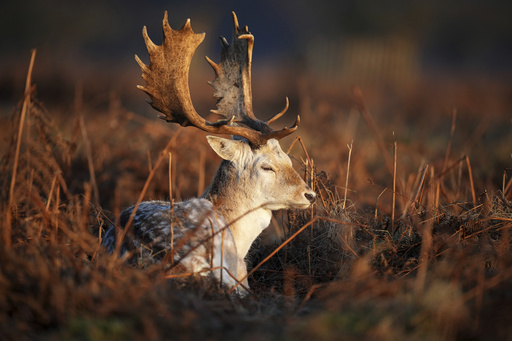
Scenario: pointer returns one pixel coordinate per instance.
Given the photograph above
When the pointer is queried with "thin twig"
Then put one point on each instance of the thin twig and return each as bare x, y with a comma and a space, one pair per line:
50, 195
419, 190
377, 203
298, 138
394, 186
170, 179
26, 102
471, 180
348, 172
417, 196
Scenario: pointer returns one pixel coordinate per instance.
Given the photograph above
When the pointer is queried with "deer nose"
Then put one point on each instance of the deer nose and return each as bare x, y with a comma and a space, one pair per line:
311, 196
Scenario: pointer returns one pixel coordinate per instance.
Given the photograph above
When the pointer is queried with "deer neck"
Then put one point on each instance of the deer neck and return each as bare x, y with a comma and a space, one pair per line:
232, 198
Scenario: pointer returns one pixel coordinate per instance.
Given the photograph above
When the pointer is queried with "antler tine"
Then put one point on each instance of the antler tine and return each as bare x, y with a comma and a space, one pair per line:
278, 115
285, 131
235, 21
167, 83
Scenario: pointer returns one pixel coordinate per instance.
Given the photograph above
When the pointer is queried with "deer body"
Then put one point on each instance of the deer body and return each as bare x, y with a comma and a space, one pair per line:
159, 228
211, 235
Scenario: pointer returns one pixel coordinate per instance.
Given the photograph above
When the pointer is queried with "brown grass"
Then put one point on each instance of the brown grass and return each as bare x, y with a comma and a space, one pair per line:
415, 243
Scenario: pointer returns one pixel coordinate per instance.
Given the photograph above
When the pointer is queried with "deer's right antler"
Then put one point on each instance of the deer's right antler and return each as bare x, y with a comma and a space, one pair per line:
167, 84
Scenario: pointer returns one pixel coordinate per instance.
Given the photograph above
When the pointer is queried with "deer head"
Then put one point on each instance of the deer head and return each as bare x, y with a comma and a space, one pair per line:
266, 174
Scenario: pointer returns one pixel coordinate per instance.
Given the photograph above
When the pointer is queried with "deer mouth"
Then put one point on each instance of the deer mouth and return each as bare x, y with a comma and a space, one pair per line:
302, 206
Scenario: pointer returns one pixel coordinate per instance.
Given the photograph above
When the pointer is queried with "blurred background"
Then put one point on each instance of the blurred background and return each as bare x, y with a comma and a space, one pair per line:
365, 42
416, 62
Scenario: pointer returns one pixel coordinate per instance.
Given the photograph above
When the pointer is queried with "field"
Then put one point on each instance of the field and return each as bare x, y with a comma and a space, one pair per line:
410, 237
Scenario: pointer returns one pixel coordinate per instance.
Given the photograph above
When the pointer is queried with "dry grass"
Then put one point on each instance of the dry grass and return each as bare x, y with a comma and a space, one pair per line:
430, 260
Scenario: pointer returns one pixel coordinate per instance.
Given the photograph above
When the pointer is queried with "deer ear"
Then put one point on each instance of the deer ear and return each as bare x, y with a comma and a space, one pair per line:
226, 148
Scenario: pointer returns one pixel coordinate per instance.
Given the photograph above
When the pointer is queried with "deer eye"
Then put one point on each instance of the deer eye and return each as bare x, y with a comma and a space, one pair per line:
267, 168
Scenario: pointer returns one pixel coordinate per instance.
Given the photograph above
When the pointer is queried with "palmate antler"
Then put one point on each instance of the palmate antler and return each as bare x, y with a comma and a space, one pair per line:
167, 84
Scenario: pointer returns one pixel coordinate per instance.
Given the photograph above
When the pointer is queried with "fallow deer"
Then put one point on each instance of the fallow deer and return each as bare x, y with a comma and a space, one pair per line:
211, 235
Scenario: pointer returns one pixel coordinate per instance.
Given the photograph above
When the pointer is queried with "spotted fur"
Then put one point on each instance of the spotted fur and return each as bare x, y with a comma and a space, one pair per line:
200, 239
